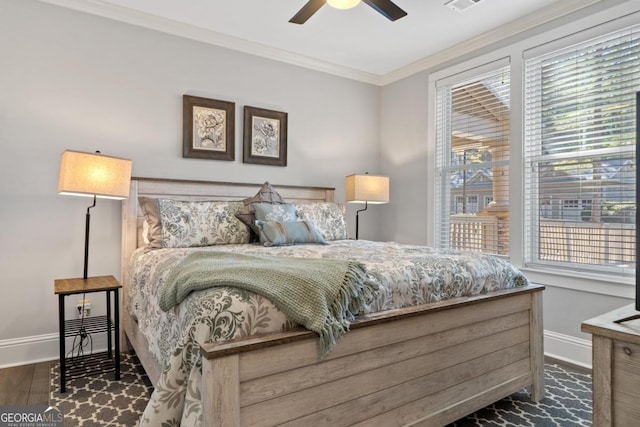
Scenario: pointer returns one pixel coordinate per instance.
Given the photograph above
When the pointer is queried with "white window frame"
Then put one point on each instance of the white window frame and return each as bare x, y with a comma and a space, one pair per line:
568, 207
551, 39
442, 181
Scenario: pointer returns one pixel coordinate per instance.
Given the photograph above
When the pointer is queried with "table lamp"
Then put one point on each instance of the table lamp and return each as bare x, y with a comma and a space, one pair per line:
366, 189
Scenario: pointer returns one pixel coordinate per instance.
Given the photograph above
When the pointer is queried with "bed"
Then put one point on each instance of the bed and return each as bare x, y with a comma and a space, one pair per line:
425, 364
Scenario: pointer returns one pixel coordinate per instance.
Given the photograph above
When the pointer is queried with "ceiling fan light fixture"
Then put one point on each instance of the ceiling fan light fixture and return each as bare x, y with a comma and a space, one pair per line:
343, 4
386, 8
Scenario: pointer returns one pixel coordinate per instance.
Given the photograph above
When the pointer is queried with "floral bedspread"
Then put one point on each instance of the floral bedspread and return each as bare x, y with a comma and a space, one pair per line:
408, 275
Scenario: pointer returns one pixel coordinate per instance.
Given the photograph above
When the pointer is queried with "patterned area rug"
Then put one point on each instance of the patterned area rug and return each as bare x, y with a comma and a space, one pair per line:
98, 400
567, 402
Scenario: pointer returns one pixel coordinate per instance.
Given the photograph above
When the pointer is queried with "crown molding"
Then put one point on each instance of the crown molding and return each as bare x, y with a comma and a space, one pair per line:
513, 28
145, 20
141, 19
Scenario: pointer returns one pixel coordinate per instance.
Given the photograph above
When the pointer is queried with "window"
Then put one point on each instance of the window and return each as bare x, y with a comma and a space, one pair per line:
459, 206
580, 155
472, 161
487, 200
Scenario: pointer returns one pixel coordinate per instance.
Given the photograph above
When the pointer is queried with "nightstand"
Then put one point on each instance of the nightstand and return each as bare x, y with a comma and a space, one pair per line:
89, 325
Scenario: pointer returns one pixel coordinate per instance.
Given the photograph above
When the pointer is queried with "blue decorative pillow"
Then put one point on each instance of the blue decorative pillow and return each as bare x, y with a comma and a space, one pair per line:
281, 212
274, 233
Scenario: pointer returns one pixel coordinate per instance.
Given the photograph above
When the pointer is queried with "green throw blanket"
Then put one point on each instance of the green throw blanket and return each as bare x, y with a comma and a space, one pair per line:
323, 295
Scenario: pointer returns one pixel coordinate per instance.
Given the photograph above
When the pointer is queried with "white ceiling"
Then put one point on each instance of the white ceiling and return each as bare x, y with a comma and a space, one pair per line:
358, 43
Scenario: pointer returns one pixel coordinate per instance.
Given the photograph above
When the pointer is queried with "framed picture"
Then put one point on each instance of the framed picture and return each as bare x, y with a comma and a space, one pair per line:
265, 137
208, 128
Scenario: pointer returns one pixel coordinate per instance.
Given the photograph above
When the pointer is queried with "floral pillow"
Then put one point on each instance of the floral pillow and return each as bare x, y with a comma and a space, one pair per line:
328, 218
276, 233
183, 224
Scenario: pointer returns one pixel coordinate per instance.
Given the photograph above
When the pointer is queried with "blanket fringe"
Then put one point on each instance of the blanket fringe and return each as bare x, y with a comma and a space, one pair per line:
347, 305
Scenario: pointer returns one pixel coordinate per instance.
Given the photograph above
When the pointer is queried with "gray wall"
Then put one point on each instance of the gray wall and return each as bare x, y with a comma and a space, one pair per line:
407, 158
74, 81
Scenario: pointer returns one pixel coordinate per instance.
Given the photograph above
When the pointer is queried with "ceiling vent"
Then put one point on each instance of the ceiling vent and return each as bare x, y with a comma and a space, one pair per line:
461, 5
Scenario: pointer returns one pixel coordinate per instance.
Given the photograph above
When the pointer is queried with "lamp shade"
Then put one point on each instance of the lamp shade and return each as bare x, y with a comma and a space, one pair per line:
93, 174
367, 188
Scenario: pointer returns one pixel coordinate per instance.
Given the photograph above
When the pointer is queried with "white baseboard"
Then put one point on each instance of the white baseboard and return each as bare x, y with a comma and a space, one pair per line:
41, 348
567, 348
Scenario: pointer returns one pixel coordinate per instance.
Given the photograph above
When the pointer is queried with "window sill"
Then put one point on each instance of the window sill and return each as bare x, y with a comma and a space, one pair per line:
623, 287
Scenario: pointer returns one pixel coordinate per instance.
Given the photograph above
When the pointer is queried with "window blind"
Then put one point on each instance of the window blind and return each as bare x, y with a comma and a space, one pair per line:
580, 160
472, 161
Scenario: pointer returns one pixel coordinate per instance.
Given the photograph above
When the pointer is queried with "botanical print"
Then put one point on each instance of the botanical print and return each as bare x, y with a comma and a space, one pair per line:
208, 128
209, 132
265, 137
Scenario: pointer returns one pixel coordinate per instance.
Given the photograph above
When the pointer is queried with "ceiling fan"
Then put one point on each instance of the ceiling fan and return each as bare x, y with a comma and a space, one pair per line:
386, 8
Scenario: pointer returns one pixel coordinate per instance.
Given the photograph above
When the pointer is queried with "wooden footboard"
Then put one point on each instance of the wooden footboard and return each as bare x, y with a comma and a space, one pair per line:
425, 365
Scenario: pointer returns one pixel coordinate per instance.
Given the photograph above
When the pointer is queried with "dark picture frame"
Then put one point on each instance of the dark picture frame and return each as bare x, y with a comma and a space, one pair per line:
208, 128
265, 137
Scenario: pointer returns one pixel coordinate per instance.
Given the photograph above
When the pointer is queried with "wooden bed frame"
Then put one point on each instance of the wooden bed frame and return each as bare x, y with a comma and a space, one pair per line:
425, 365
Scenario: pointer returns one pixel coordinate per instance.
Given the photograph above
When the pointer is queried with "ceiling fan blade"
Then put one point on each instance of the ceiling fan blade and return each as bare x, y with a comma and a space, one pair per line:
386, 8
307, 11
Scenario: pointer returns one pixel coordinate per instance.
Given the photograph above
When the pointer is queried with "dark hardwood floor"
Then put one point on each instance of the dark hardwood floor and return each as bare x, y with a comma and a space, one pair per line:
25, 385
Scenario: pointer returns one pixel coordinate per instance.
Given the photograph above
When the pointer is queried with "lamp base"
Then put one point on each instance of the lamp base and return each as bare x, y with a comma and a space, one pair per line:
86, 238
366, 205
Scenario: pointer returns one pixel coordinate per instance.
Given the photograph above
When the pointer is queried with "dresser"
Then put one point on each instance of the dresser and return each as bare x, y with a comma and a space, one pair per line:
616, 368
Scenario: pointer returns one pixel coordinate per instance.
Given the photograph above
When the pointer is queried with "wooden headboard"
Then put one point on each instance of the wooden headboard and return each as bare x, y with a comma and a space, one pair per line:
197, 190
